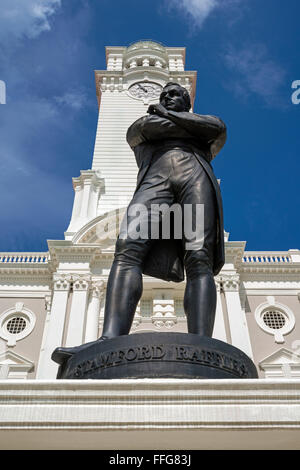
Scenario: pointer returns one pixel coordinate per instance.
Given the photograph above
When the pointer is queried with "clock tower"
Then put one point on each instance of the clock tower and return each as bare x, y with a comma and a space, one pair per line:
134, 78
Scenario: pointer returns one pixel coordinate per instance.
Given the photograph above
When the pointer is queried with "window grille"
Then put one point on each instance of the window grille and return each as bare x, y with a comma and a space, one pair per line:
274, 319
16, 325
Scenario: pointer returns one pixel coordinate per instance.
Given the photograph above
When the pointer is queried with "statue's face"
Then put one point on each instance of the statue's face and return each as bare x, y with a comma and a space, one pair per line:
172, 98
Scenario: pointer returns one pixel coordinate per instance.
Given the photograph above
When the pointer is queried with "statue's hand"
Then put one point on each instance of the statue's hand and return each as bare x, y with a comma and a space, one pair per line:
158, 109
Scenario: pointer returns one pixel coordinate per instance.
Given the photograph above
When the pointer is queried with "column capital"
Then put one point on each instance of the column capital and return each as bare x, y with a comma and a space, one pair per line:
61, 282
231, 282
88, 177
81, 282
97, 289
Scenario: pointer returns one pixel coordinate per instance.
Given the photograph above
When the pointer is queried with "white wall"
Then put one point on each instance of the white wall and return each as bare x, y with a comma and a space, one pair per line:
112, 155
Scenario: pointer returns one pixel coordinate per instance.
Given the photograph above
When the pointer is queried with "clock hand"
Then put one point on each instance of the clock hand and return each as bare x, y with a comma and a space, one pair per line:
142, 88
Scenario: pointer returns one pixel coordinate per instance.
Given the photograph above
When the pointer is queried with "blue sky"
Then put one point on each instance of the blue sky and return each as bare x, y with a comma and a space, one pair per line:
246, 53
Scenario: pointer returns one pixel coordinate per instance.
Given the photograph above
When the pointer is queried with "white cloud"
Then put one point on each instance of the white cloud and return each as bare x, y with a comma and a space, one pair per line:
26, 17
255, 72
198, 10
74, 99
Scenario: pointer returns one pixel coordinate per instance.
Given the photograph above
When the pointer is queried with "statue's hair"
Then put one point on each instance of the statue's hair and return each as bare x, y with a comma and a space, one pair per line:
185, 94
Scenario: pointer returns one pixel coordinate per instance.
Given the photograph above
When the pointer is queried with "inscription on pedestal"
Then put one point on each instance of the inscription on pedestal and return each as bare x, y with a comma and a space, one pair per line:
141, 359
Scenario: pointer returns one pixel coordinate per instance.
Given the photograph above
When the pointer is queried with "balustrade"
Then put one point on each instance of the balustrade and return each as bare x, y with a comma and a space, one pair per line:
24, 257
267, 257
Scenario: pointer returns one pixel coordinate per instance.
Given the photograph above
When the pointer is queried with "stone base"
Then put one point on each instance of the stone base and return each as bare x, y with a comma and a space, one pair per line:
159, 355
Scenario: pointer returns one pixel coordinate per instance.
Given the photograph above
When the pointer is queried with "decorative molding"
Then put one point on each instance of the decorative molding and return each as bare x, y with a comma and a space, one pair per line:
100, 229
48, 303
284, 310
281, 364
164, 323
163, 313
62, 282
81, 282
218, 283
13, 274
18, 311
98, 289
14, 366
158, 413
230, 282
24, 258
15, 293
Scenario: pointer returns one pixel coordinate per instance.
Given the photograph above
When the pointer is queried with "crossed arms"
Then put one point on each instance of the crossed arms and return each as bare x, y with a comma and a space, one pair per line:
164, 124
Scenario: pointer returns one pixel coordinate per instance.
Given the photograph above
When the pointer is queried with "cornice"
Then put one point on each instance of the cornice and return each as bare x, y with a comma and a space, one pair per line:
36, 271
62, 250
251, 406
270, 269
15, 278
234, 252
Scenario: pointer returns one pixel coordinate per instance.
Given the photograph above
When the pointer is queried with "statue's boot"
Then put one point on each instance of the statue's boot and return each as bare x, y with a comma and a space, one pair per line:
124, 289
61, 355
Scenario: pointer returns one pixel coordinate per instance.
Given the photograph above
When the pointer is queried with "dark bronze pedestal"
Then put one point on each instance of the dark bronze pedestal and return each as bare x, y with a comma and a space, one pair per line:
159, 355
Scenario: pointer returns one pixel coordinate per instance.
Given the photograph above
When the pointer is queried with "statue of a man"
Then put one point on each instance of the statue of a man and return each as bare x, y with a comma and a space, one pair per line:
173, 149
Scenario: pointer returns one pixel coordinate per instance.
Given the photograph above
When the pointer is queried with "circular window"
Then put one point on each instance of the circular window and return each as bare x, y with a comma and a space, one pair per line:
275, 319
16, 323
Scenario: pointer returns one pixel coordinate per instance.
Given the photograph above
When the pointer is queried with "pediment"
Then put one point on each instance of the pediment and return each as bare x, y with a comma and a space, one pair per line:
281, 356
11, 358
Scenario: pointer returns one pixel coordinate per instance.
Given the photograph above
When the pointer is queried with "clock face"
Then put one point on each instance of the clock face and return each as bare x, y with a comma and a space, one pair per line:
145, 90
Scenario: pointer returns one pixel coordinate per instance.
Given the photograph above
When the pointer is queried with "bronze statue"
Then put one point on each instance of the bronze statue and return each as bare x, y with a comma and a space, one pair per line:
173, 149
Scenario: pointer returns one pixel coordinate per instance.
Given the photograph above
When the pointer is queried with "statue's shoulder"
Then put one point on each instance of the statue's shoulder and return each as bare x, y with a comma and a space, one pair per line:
134, 135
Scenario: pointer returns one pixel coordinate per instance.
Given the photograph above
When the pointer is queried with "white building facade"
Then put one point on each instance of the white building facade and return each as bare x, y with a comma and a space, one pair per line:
57, 298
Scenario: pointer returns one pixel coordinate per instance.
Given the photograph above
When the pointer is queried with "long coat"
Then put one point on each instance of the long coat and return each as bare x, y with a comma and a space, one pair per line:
205, 136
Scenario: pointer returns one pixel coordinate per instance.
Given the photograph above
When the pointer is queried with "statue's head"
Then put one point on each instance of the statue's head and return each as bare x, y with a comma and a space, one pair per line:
175, 97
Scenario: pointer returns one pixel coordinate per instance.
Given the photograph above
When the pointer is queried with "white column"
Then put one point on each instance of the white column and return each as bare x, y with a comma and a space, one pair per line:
54, 327
77, 200
237, 318
87, 191
93, 313
78, 310
85, 198
93, 201
219, 327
